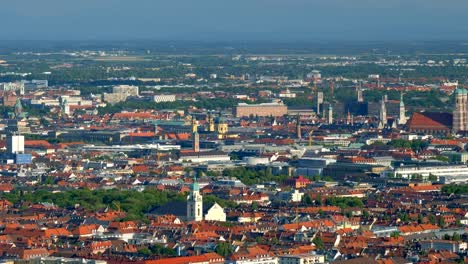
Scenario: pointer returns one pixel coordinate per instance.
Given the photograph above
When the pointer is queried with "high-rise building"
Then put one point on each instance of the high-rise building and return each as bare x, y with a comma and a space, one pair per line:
319, 101
460, 118
360, 98
15, 144
195, 203
330, 115
402, 117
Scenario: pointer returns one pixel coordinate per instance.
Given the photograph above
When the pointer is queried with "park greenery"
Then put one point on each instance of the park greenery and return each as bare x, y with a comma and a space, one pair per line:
251, 176
157, 250
136, 204
455, 189
416, 145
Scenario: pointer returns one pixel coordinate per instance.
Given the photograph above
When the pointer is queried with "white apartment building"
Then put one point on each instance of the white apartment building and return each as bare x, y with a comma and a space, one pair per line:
164, 98
446, 173
301, 259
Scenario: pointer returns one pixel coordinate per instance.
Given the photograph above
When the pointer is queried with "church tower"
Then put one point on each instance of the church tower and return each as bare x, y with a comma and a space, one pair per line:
460, 118
65, 107
195, 203
349, 120
221, 125
196, 142
402, 118
194, 125
382, 114
211, 123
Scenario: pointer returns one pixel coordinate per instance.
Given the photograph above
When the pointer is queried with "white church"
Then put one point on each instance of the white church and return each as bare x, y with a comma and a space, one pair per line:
193, 209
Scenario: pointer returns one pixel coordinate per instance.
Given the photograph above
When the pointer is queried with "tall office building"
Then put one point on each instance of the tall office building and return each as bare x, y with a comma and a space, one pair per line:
15, 144
319, 101
460, 118
330, 115
360, 98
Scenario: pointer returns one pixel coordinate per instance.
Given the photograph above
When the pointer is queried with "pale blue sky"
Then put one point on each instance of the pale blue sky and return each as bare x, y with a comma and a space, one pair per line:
286, 20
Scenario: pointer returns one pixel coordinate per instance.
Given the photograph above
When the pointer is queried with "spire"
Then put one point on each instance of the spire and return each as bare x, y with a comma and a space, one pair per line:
348, 118
298, 127
383, 113
402, 117
18, 108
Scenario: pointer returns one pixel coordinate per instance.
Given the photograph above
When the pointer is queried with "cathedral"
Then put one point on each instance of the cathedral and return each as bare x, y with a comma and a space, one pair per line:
443, 124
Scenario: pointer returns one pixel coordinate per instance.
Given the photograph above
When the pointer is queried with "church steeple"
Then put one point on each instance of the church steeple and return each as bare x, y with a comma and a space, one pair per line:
402, 117
18, 108
382, 114
348, 118
195, 202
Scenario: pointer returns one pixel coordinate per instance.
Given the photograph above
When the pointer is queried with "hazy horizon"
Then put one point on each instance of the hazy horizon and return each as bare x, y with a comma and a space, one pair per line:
240, 20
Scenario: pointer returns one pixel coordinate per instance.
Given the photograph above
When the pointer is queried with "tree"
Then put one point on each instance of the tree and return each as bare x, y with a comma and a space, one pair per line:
224, 249
365, 214
432, 177
441, 221
307, 200
318, 242
395, 234
432, 219
420, 218
254, 206
456, 237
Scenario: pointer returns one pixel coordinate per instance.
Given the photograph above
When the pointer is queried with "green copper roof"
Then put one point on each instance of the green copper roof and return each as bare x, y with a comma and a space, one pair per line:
461, 91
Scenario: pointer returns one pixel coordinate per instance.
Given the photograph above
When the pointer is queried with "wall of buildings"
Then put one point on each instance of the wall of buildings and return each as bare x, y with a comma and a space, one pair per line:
267, 109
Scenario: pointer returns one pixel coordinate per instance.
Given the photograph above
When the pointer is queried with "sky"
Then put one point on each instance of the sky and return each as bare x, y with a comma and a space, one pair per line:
234, 20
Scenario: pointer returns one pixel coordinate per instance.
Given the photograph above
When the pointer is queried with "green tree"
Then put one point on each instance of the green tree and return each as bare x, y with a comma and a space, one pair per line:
432, 177
318, 242
432, 219
441, 221
224, 249
307, 200
420, 218
365, 214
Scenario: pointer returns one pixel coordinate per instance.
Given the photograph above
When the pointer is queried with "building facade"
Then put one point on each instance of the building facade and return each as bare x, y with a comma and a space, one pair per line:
265, 109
